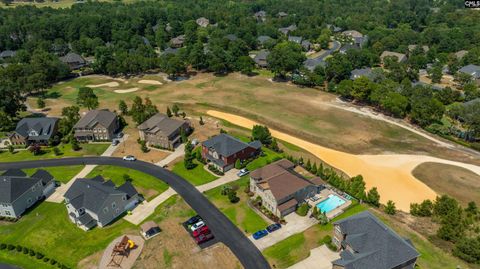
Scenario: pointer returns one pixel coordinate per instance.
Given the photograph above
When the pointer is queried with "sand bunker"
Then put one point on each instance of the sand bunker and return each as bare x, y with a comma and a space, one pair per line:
127, 90
108, 84
391, 174
150, 82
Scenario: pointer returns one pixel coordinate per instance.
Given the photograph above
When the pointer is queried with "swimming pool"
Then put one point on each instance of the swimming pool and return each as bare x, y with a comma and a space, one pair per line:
329, 204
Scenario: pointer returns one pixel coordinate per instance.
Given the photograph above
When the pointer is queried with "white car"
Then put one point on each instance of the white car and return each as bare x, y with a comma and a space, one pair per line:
197, 225
129, 158
243, 172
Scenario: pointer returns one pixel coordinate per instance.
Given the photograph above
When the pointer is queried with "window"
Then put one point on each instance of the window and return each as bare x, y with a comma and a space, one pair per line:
8, 213
114, 205
33, 188
338, 230
124, 198
29, 200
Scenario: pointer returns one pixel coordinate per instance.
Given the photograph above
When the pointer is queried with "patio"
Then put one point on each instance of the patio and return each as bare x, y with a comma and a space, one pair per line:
323, 195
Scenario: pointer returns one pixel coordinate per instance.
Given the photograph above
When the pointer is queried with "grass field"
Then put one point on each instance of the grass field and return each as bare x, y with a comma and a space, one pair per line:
455, 181
196, 176
60, 173
147, 185
66, 151
47, 229
23, 260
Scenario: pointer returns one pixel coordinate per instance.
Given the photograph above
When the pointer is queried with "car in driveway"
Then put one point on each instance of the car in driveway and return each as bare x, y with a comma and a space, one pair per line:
130, 158
200, 231
243, 172
197, 225
115, 142
193, 220
260, 234
203, 238
272, 228
120, 135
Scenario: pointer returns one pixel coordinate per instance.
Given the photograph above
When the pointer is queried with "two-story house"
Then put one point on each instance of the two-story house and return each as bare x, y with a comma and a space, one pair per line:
92, 202
34, 131
223, 151
96, 125
162, 131
18, 192
366, 243
281, 188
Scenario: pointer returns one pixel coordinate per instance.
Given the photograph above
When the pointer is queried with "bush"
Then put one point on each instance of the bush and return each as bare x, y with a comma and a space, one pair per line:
390, 208
39, 255
232, 196
10, 247
56, 151
19, 248
302, 210
3, 246
32, 252
53, 261
46, 259
26, 250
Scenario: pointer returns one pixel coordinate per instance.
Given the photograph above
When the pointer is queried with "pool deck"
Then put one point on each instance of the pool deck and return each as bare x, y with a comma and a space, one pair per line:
323, 195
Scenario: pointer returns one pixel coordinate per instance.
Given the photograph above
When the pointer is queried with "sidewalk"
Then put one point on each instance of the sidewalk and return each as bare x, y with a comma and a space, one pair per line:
179, 151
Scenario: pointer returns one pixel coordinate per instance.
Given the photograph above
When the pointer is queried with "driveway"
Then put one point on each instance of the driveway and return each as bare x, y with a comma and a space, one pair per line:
223, 229
179, 152
320, 258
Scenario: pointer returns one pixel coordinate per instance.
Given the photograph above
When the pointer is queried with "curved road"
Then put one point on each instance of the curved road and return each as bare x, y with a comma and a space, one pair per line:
222, 227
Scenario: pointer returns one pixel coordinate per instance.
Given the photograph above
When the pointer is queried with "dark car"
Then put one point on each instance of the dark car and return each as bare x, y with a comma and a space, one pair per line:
193, 220
272, 228
260, 234
203, 238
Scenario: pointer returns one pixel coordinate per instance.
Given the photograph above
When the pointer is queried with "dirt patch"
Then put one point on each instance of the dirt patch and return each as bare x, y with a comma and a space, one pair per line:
91, 262
108, 84
210, 127
127, 90
150, 82
458, 182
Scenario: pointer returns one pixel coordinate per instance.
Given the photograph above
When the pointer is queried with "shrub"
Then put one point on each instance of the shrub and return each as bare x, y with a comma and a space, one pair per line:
19, 248
3, 246
10, 247
46, 259
32, 252
390, 208
302, 210
53, 261
26, 250
56, 151
232, 196
40, 255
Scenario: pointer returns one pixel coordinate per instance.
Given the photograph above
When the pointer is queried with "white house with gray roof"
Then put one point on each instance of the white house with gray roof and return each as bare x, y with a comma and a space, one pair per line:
366, 243
34, 131
92, 202
18, 192
96, 125
261, 58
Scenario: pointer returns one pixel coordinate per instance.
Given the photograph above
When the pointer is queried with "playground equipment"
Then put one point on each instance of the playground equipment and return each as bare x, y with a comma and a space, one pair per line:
121, 250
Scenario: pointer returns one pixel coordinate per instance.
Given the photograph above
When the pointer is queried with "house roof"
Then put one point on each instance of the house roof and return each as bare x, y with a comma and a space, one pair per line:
317, 181
14, 173
261, 13
413, 47
202, 21
72, 57
460, 54
7, 53
231, 37
366, 72
178, 40
12, 187
89, 120
226, 145
282, 14
296, 39
353, 33
44, 127
375, 245
288, 204
400, 56
161, 123
263, 38
348, 47
170, 51
472, 70
91, 194
45, 176
261, 57
310, 64
286, 30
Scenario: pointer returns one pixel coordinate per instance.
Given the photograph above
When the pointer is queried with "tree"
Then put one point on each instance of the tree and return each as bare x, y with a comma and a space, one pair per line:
122, 106
35, 149
468, 249
175, 109
435, 74
426, 111
74, 143
169, 113
201, 121
188, 158
245, 65
238, 164
262, 134
285, 57
56, 151
41, 102
87, 98
390, 208
373, 197
11, 149
137, 111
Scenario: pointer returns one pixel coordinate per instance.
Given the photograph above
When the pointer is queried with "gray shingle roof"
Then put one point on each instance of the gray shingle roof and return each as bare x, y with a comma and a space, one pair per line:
72, 58
263, 38
161, 123
226, 145
14, 173
44, 127
104, 117
12, 187
261, 58
356, 73
472, 70
375, 245
310, 64
45, 176
296, 39
286, 30
7, 53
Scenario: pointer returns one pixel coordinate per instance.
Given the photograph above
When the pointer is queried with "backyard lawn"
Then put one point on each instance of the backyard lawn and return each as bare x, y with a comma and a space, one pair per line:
48, 230
61, 173
196, 176
239, 213
147, 185
65, 149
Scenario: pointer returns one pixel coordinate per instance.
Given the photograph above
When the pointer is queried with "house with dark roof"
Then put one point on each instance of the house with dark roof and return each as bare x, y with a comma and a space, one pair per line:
367, 243
177, 42
262, 39
472, 70
18, 192
73, 60
400, 57
286, 30
162, 131
296, 39
311, 64
356, 37
92, 202
96, 125
260, 15
224, 150
281, 188
261, 58
34, 131
7, 54
362, 72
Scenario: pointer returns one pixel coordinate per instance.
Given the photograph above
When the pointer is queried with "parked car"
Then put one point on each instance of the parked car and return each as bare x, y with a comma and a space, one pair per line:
272, 228
243, 172
129, 158
120, 135
115, 142
193, 220
260, 234
197, 225
203, 230
203, 238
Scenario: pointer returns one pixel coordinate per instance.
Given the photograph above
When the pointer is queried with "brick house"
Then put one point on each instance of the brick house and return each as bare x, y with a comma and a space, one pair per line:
34, 131
162, 131
96, 125
223, 151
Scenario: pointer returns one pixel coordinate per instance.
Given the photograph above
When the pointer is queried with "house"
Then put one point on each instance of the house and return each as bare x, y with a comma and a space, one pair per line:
169, 51
286, 30
411, 48
357, 38
282, 14
18, 192
472, 70
177, 42
34, 131
162, 131
363, 72
281, 188
262, 39
92, 202
96, 125
400, 56
261, 58
296, 39
365, 242
311, 64
306, 44
334, 28
460, 54
145, 41
202, 22
260, 15
73, 60
7, 54
223, 151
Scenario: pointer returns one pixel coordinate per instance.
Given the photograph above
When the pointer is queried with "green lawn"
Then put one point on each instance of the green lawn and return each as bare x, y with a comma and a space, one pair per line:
47, 229
178, 206
240, 213
60, 173
196, 176
147, 185
269, 157
23, 260
66, 151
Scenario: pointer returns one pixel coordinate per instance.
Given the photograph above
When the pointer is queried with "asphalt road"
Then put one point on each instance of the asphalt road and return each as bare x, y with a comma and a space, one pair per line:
223, 229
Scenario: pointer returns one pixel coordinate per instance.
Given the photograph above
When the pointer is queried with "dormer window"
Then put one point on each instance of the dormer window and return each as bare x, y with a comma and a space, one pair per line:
114, 205
105, 210
32, 133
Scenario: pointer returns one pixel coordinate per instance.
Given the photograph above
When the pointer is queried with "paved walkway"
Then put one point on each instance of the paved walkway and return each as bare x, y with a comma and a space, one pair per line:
179, 152
320, 258
295, 224
57, 196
